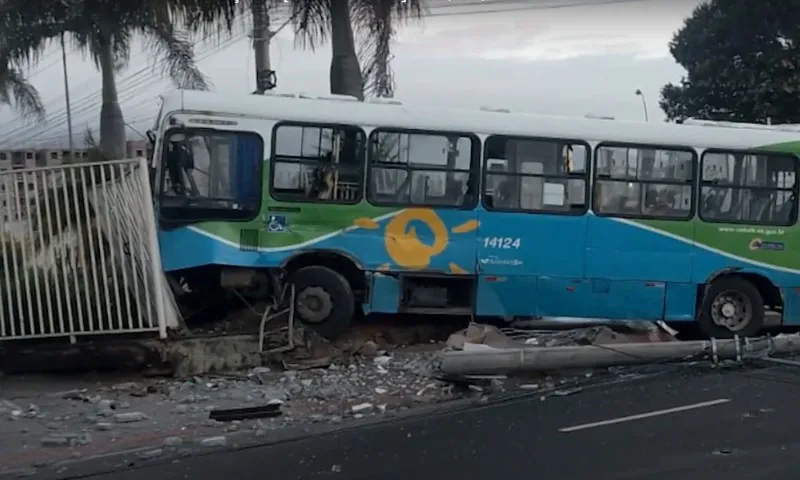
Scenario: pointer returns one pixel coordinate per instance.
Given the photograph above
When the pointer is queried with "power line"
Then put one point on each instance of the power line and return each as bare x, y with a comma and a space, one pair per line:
127, 88
90, 102
60, 114
135, 83
528, 6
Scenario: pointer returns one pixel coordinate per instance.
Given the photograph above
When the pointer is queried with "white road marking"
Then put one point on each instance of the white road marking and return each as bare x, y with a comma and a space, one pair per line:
640, 416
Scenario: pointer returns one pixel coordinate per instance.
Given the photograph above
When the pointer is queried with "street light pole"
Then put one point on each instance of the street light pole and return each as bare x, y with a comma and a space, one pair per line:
644, 104
66, 98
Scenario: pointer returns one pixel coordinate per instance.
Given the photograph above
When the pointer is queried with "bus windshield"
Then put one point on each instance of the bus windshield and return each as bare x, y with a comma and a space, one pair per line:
211, 174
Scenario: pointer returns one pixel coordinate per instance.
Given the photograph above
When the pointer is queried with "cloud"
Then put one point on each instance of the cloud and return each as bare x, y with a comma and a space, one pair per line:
640, 29
552, 46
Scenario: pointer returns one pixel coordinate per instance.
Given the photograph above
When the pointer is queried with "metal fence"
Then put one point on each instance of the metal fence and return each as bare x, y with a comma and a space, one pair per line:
79, 252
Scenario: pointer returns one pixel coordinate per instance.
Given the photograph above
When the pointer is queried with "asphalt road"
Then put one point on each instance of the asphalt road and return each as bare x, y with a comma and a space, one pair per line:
695, 424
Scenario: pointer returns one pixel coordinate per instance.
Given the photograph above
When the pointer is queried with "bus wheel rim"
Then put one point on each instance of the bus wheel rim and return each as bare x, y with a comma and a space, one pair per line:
731, 310
314, 304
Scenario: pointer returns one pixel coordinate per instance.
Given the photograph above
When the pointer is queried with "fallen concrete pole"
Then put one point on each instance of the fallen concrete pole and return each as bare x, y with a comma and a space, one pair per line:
500, 361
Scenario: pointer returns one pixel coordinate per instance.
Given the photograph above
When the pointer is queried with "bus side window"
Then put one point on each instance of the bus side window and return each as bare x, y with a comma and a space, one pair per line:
641, 181
744, 187
317, 163
535, 175
422, 168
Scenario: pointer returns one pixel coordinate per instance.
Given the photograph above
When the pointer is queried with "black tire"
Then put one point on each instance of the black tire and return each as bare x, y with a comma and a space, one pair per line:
339, 315
740, 289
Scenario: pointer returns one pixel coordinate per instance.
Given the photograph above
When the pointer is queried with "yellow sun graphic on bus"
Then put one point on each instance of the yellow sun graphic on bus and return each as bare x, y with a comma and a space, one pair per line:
404, 246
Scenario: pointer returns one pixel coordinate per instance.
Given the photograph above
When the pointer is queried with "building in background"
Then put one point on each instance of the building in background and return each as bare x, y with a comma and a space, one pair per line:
18, 191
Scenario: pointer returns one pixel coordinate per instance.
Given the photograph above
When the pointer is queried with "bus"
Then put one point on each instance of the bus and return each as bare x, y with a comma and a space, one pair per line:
381, 207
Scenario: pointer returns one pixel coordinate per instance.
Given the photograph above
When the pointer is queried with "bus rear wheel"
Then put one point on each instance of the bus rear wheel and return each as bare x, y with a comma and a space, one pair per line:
732, 306
324, 300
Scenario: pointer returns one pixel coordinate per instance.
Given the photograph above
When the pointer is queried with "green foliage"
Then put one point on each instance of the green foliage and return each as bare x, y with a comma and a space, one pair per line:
74, 186
373, 25
102, 30
375, 28
62, 287
742, 59
16, 91
28, 28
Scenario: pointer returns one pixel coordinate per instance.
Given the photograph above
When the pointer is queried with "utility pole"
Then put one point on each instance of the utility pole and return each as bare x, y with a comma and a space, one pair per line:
528, 359
66, 98
265, 76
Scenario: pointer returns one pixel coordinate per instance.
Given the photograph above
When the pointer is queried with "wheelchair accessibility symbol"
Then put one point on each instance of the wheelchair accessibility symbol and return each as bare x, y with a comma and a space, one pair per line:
276, 223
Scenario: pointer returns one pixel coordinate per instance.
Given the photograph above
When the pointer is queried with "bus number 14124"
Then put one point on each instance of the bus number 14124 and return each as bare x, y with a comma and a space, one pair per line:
501, 242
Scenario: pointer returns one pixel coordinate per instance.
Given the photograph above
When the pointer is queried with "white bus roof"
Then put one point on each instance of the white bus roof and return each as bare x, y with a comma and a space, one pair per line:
781, 127
339, 110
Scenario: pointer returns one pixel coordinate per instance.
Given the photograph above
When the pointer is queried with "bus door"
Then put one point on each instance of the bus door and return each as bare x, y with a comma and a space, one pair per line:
532, 227
427, 182
640, 252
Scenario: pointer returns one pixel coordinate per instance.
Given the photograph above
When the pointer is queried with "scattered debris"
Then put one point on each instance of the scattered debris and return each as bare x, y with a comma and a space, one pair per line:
129, 417
564, 393
214, 441
370, 375
361, 408
308, 364
173, 441
478, 337
231, 414
148, 454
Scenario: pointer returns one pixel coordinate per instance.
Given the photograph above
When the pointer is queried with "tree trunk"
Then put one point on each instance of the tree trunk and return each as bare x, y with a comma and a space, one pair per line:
345, 70
112, 124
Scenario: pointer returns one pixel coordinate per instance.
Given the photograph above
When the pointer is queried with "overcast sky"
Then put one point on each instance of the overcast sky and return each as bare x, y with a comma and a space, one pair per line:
546, 56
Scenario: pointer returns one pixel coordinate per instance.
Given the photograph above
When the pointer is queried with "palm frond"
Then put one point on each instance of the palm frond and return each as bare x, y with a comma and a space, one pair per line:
28, 27
121, 48
93, 146
311, 20
365, 51
212, 19
177, 54
16, 91
375, 26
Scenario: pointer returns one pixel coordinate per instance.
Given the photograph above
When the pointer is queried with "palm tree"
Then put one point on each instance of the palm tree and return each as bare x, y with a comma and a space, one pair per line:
376, 22
370, 23
17, 92
103, 30
360, 32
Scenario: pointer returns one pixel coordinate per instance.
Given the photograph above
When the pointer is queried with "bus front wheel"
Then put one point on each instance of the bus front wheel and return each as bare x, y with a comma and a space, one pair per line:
732, 306
324, 300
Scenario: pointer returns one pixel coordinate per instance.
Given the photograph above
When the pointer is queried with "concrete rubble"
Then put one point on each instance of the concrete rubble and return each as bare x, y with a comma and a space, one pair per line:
45, 421
481, 337
63, 419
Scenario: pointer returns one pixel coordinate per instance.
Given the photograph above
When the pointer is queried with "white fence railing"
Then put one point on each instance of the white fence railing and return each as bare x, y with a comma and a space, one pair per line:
79, 252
